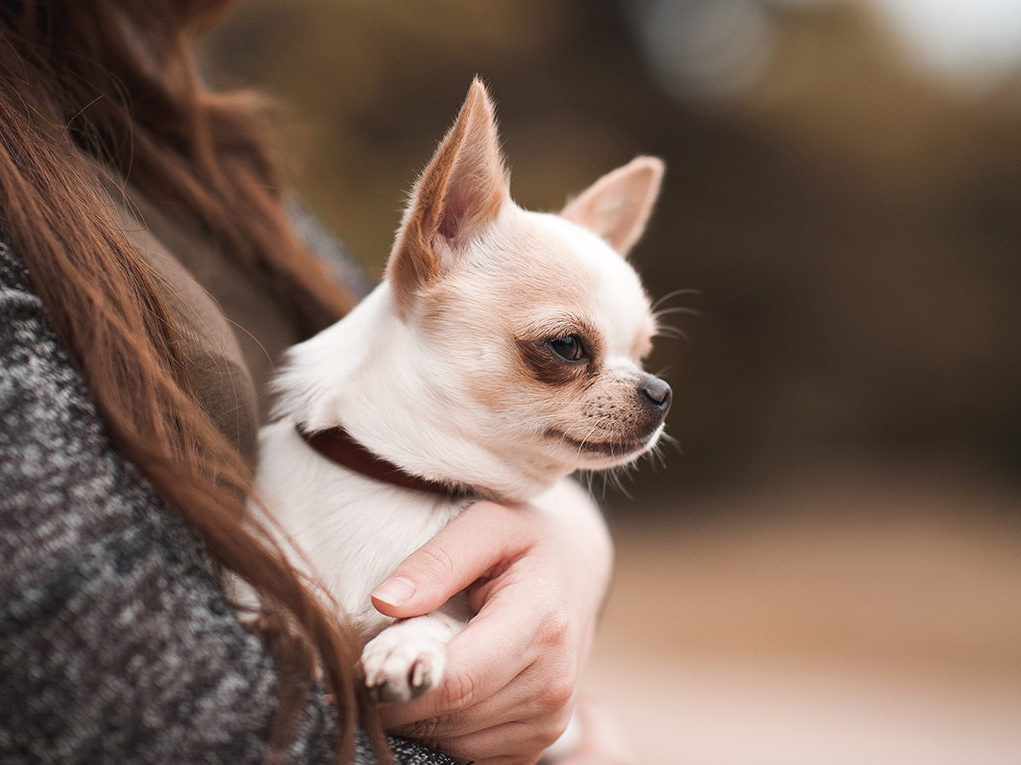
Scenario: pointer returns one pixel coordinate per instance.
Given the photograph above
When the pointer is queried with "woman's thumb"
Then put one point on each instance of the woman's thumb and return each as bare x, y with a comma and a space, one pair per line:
466, 549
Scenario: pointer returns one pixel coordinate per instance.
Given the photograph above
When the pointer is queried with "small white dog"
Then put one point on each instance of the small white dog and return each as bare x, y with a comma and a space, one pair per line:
501, 352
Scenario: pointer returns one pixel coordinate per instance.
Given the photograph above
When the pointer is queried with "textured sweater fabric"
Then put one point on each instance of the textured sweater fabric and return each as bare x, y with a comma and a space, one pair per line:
116, 642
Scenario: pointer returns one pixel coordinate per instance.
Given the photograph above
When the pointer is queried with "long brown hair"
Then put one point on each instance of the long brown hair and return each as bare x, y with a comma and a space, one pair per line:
113, 84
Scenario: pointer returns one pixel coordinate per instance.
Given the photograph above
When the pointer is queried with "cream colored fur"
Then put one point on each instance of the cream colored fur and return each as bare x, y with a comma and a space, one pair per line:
447, 371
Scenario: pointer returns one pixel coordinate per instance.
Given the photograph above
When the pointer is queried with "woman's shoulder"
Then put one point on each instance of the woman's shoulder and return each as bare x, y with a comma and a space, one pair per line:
14, 275
346, 268
108, 605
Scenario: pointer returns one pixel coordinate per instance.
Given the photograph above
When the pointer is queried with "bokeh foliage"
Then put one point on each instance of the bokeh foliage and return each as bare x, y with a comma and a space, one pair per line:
853, 227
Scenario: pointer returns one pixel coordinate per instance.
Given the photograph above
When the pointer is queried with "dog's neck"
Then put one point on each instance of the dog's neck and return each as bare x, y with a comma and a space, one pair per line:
340, 447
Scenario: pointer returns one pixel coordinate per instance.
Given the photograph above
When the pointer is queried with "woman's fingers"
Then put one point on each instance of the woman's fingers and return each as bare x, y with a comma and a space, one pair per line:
472, 545
532, 694
482, 660
518, 742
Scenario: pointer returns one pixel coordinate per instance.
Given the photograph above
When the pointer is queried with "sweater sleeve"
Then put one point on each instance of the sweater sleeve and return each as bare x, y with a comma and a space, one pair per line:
346, 268
116, 642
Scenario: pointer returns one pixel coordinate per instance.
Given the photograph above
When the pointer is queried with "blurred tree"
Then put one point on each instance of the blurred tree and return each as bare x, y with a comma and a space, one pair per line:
852, 227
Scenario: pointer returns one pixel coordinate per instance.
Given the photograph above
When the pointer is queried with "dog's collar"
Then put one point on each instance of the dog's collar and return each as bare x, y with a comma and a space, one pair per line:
338, 446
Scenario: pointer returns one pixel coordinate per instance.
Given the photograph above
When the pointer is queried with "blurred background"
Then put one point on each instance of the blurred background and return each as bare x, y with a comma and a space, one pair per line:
828, 568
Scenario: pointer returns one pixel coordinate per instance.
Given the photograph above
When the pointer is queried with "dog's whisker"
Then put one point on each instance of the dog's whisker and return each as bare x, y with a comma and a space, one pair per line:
676, 293
656, 455
678, 309
661, 451
666, 438
672, 332
615, 476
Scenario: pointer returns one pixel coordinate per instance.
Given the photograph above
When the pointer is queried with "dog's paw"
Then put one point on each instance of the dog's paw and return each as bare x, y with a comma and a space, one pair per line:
400, 665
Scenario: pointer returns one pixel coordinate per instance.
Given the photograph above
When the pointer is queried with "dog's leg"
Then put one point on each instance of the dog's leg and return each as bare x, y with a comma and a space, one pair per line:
408, 657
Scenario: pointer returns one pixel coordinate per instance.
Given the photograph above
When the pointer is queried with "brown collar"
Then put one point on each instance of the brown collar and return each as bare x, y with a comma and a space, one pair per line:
337, 445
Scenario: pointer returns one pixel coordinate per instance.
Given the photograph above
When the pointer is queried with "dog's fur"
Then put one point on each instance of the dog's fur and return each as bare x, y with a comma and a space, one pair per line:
447, 370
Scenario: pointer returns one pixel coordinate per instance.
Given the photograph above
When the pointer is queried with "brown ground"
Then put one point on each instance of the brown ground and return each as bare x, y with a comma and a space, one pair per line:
817, 626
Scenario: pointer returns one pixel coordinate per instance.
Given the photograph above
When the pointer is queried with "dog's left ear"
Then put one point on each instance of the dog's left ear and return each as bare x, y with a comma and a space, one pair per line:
461, 191
618, 205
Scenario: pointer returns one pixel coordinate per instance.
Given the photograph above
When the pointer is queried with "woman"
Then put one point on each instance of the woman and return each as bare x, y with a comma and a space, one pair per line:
149, 272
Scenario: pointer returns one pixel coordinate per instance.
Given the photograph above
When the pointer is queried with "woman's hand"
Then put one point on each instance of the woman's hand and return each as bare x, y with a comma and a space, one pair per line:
537, 575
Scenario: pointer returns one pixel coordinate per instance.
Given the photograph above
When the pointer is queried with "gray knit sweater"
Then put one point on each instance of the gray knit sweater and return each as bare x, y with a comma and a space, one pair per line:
116, 643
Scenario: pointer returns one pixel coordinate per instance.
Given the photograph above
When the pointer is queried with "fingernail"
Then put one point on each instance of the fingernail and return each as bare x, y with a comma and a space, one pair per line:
395, 592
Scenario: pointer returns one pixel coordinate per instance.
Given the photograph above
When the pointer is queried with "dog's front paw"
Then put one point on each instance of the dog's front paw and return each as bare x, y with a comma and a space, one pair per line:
400, 665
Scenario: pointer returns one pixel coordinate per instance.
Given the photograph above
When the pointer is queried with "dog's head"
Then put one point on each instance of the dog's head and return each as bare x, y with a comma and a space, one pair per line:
531, 327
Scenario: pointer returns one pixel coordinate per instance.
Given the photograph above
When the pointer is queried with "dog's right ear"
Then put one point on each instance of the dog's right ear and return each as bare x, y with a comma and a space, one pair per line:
460, 192
618, 205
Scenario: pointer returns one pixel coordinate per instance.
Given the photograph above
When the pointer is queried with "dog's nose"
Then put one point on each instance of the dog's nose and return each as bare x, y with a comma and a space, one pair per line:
655, 393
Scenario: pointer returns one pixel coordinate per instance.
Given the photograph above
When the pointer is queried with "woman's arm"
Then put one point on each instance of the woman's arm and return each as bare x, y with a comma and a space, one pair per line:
116, 643
538, 575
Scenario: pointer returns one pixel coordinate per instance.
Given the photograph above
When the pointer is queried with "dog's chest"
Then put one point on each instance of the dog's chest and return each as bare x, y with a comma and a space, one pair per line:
352, 530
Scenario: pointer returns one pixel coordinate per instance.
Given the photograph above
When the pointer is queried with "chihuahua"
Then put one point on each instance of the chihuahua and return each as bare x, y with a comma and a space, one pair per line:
501, 352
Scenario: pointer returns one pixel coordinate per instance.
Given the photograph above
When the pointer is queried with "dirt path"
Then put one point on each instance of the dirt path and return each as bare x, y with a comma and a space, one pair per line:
878, 626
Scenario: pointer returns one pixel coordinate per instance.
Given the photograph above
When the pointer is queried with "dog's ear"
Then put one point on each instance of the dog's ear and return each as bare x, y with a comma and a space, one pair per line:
618, 205
460, 192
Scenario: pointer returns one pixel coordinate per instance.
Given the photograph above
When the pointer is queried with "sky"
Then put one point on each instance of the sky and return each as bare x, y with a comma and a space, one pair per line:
718, 48
970, 40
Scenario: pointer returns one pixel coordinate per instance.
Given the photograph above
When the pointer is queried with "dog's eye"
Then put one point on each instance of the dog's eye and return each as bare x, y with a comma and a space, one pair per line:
569, 347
